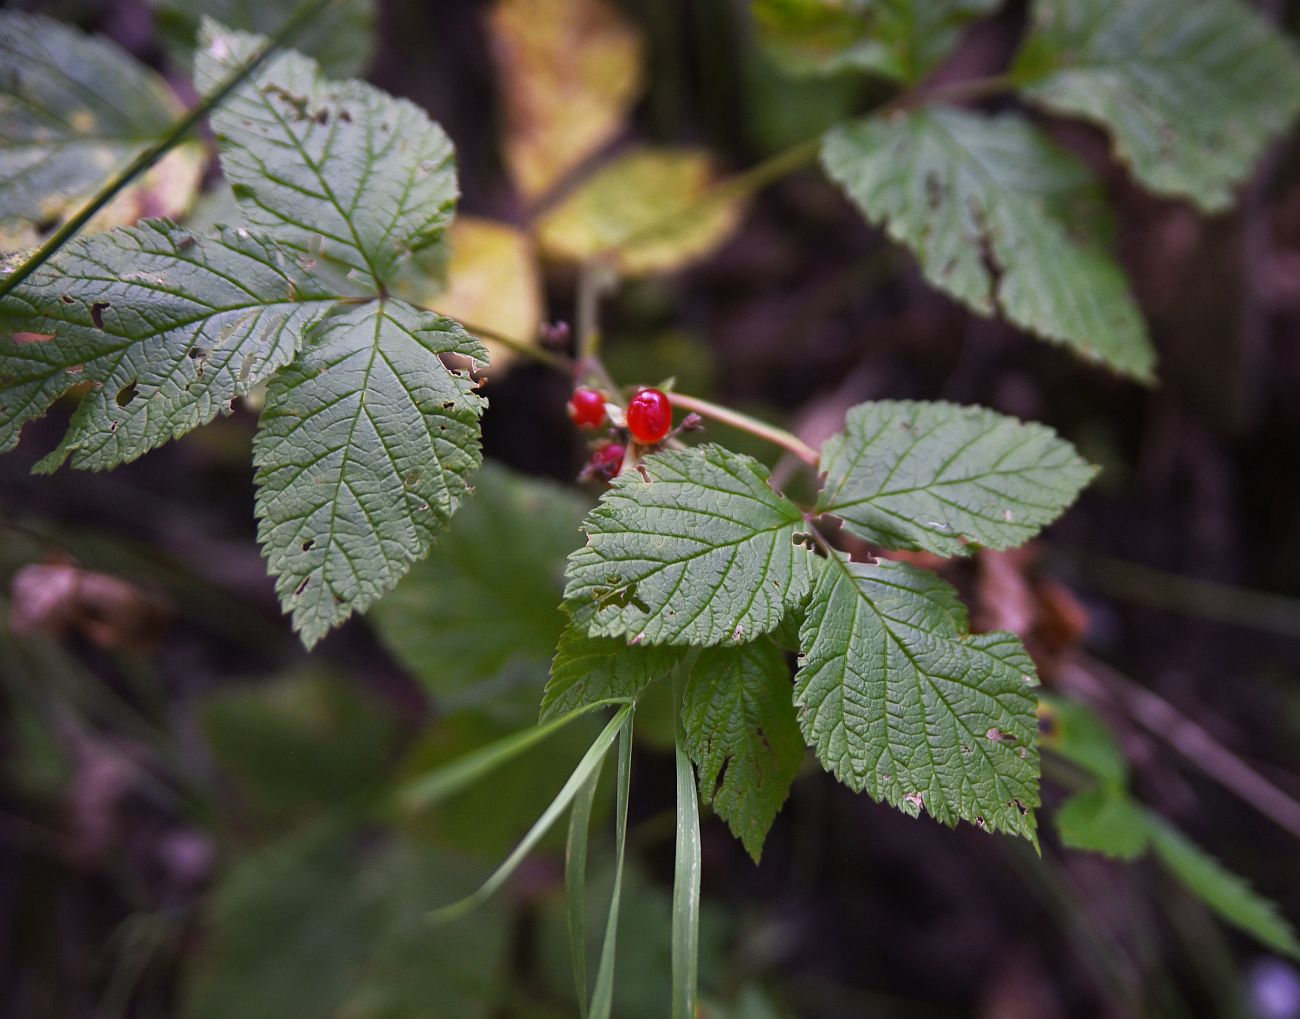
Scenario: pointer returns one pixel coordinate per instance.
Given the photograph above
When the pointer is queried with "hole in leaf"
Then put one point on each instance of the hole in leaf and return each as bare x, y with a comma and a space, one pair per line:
127, 393
309, 544
97, 313
301, 587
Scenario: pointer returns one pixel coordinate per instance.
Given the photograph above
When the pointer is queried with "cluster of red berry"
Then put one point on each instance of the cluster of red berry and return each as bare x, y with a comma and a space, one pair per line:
649, 419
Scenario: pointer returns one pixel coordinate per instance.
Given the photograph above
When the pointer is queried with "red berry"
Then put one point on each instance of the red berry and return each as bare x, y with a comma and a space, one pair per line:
587, 407
649, 416
605, 463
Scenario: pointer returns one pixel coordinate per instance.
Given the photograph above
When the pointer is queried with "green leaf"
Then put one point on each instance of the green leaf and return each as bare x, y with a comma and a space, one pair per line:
589, 672
340, 172
940, 477
73, 109
470, 638
167, 325
1072, 730
899, 39
737, 715
1191, 102
575, 885
363, 455
687, 864
1225, 893
697, 550
602, 995
898, 700
1103, 820
341, 37
983, 203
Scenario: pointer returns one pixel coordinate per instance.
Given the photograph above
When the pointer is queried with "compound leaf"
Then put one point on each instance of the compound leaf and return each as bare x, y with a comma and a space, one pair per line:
167, 325
74, 108
589, 672
338, 171
898, 700
1191, 102
984, 203
363, 454
698, 549
739, 727
940, 477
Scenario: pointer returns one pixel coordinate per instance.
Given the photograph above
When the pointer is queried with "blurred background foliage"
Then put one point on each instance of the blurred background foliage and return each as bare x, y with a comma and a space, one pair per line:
197, 819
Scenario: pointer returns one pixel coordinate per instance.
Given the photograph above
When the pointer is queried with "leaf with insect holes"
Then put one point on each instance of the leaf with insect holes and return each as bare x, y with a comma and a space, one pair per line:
740, 727
339, 171
590, 672
363, 454
899, 701
697, 549
991, 209
899, 39
73, 110
1190, 98
167, 325
940, 477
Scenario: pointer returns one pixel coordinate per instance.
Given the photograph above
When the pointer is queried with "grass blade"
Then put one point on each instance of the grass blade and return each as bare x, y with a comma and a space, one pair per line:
575, 885
602, 999
590, 763
435, 786
295, 23
686, 881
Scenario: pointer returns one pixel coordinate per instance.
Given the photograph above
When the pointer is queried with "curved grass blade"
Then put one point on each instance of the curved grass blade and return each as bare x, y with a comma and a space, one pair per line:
686, 879
602, 998
575, 885
435, 786
589, 764
296, 22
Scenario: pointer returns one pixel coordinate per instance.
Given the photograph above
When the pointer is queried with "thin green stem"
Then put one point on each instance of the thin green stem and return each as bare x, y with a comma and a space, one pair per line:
151, 155
725, 415
542, 355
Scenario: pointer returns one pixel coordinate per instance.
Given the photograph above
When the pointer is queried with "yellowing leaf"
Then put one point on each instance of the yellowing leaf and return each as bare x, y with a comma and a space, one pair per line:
492, 283
570, 70
648, 211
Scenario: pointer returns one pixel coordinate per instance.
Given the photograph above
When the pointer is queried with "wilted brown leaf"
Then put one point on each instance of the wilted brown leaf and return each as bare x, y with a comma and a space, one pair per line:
570, 70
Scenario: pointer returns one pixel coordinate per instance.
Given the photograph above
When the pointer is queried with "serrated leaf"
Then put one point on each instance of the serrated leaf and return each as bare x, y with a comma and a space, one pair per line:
899, 701
339, 171
363, 454
737, 715
478, 617
570, 71
1191, 102
648, 211
899, 39
1103, 820
341, 36
168, 327
941, 477
589, 672
698, 550
979, 201
73, 109
1224, 892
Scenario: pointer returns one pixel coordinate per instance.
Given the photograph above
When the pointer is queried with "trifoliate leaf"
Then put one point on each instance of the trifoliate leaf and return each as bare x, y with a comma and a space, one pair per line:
697, 550
339, 171
898, 700
167, 325
740, 727
479, 617
1103, 820
980, 201
363, 454
570, 71
899, 39
589, 672
1191, 101
651, 210
1224, 892
940, 477
73, 109
341, 36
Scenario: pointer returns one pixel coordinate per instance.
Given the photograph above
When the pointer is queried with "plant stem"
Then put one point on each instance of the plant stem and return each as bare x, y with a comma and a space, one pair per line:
538, 353
725, 415
151, 155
